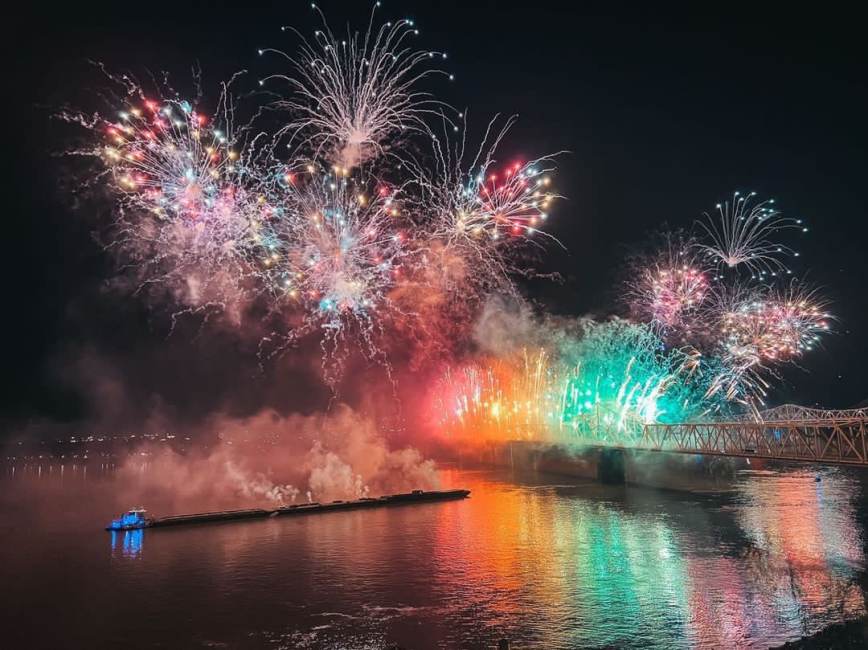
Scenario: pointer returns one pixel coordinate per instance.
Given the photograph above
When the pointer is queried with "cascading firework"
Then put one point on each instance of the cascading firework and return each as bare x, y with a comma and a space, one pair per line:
499, 399
623, 376
600, 384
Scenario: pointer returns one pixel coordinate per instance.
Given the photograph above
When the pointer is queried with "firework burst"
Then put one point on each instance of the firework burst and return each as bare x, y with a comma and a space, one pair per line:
185, 208
166, 159
485, 214
773, 326
668, 287
760, 328
335, 251
742, 236
337, 225
352, 96
311, 238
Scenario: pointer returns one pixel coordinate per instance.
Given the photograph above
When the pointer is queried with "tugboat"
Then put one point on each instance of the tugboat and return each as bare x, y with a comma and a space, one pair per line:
133, 519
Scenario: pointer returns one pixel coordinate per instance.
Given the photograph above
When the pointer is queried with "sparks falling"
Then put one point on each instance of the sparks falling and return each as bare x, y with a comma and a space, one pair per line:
485, 214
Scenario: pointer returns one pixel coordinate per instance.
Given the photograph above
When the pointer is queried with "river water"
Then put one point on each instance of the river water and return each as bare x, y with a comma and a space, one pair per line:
544, 561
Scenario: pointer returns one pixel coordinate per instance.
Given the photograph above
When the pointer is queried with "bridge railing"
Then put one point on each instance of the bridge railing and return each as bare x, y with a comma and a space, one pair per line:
790, 412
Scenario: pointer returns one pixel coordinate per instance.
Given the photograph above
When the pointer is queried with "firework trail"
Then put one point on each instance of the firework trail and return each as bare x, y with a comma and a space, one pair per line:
742, 233
351, 97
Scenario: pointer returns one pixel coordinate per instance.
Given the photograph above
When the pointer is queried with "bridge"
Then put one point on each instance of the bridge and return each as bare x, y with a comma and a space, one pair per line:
789, 432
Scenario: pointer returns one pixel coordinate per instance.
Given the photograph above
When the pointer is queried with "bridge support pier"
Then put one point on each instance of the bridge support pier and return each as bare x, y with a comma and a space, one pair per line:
616, 466
610, 466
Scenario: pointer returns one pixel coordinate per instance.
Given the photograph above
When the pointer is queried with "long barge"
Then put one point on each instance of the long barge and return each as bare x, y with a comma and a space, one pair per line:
137, 518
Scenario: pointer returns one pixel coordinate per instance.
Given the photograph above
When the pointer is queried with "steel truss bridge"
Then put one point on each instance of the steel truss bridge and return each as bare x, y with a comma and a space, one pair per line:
789, 432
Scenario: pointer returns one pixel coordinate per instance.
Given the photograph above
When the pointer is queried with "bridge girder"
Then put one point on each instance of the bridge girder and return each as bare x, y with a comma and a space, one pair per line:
842, 440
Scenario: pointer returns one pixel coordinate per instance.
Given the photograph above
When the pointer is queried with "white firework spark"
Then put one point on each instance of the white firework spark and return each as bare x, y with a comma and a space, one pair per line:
742, 235
351, 97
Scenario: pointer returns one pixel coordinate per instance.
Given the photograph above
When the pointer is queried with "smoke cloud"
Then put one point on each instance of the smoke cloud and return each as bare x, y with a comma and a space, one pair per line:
269, 459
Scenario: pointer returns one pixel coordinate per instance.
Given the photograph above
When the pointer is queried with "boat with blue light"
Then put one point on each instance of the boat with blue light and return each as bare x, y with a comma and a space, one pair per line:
133, 519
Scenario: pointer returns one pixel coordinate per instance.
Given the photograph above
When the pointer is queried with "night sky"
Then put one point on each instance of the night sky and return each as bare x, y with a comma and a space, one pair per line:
664, 112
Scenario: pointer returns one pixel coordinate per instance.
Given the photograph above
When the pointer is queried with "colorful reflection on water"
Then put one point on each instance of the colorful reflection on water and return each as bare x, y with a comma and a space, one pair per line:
542, 561
646, 569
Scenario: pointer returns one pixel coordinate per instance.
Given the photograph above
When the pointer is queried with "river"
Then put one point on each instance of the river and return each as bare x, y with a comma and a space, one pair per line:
544, 561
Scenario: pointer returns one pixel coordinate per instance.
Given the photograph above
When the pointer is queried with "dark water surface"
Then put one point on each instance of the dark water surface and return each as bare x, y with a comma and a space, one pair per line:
540, 560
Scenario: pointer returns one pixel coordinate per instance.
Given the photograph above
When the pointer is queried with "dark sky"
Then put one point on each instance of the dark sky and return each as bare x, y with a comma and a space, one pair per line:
665, 111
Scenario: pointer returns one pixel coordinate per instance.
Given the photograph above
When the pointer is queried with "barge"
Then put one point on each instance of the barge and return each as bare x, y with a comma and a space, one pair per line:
137, 518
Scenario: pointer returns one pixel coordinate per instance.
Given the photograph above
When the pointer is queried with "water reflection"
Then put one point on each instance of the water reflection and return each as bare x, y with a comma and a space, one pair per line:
127, 544
644, 569
53, 469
